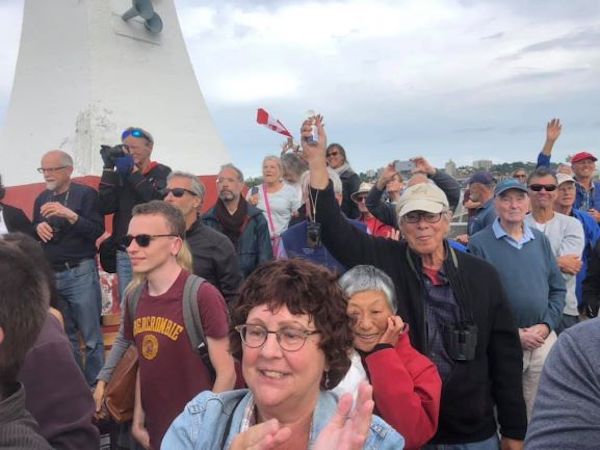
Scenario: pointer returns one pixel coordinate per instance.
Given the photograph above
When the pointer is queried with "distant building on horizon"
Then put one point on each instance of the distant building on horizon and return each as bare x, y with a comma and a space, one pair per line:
482, 164
450, 168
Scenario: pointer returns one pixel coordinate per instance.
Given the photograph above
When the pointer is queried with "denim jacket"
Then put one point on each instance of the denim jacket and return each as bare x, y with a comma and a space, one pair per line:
211, 422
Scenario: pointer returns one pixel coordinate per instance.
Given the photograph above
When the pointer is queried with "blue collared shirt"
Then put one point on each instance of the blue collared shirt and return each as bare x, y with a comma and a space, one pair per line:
501, 234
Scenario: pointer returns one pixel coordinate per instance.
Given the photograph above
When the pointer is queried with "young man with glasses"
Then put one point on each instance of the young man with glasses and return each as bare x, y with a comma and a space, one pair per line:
244, 224
214, 257
67, 222
157, 250
535, 288
565, 234
128, 180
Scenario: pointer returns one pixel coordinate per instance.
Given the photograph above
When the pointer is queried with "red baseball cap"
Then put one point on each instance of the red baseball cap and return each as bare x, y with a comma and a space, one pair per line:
581, 156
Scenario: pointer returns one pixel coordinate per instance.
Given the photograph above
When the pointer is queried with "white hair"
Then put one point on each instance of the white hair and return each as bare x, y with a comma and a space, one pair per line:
333, 176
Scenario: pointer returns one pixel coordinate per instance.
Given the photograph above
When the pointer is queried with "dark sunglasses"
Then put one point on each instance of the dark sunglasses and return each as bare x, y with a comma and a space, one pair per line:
334, 153
178, 192
143, 240
360, 199
137, 133
539, 187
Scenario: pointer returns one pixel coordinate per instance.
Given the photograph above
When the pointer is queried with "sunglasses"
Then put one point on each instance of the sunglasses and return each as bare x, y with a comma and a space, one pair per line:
539, 187
360, 199
178, 192
137, 133
334, 153
142, 240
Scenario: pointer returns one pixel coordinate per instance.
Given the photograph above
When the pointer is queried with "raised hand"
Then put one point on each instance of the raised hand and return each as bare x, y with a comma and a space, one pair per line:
349, 427
264, 436
386, 175
395, 327
315, 151
553, 129
422, 166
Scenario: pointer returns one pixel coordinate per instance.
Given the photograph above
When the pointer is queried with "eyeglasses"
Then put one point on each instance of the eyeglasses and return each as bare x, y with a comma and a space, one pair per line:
360, 199
50, 169
417, 216
178, 192
289, 339
143, 240
138, 133
539, 187
333, 153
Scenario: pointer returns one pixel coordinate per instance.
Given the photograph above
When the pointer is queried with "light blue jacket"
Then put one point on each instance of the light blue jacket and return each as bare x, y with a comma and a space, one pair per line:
204, 422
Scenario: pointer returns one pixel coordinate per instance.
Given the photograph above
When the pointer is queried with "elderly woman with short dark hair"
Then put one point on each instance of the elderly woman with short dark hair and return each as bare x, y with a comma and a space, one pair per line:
406, 384
293, 337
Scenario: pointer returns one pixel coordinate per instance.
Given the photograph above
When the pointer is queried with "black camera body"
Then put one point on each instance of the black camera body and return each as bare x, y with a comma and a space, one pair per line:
313, 234
111, 153
460, 341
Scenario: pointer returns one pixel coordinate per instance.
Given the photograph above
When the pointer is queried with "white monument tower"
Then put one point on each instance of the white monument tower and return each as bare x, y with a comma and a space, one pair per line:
87, 70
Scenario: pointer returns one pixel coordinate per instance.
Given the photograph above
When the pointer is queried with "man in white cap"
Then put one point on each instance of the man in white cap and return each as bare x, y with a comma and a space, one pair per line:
375, 227
454, 303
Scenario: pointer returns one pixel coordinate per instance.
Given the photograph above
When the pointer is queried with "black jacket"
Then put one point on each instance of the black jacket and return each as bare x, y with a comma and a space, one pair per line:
474, 387
215, 259
16, 220
386, 212
119, 194
350, 184
591, 285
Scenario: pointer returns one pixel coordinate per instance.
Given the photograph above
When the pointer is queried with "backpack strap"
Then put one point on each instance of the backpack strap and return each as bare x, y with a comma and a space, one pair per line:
132, 301
193, 322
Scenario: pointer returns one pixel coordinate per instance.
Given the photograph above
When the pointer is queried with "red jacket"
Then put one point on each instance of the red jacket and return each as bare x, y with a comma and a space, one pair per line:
406, 390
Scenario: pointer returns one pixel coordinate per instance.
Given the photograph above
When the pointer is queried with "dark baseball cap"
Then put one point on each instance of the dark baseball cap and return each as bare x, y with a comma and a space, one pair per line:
482, 178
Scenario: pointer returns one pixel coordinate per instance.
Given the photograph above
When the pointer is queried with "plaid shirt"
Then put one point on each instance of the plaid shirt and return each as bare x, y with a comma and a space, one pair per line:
441, 309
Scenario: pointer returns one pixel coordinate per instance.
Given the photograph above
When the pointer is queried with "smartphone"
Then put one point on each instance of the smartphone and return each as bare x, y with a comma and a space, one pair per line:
404, 166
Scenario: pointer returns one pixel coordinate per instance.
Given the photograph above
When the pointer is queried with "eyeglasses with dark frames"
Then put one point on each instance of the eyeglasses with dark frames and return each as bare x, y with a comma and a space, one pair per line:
178, 192
417, 216
50, 169
143, 240
290, 339
539, 187
333, 153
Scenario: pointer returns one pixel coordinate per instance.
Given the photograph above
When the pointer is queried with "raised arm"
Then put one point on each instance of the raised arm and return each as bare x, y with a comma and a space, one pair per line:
553, 129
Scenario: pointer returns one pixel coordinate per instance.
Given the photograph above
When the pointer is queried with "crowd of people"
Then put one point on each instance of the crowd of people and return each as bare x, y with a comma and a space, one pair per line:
311, 311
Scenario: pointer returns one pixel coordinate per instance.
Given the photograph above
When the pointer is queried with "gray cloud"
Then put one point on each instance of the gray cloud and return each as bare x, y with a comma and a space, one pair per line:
545, 75
493, 36
585, 39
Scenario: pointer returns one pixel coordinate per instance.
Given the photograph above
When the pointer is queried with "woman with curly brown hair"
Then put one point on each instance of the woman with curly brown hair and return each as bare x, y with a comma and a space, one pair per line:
293, 337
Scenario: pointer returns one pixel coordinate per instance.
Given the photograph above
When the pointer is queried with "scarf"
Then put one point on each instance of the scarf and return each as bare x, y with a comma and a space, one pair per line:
340, 170
232, 224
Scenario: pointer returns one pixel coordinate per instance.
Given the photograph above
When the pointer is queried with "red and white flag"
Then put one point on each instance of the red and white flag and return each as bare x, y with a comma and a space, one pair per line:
264, 118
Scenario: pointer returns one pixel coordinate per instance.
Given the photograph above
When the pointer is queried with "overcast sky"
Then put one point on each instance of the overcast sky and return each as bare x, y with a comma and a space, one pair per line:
460, 79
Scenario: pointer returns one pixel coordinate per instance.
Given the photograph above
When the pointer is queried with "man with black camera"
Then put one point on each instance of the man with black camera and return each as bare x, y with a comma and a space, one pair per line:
129, 178
67, 221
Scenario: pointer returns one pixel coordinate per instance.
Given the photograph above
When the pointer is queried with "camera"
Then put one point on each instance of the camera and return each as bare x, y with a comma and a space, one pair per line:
313, 234
460, 341
111, 153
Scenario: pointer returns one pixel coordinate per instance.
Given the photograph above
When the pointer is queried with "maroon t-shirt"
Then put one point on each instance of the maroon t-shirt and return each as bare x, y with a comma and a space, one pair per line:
171, 373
